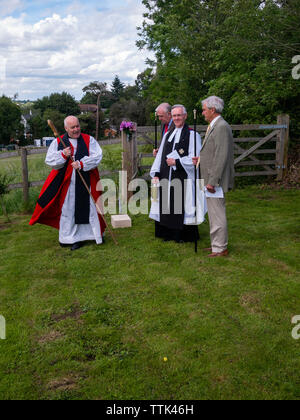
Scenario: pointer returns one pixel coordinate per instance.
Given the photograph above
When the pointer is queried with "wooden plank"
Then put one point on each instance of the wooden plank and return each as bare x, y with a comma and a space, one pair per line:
249, 139
110, 142
9, 155
146, 155
255, 147
143, 143
14, 186
257, 163
145, 167
39, 151
250, 127
256, 173
33, 184
148, 139
259, 152
254, 159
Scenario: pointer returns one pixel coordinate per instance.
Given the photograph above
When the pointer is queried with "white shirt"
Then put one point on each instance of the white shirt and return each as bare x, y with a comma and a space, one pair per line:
214, 121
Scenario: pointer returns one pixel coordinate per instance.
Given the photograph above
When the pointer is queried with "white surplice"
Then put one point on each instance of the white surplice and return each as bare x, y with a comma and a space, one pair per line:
187, 164
69, 232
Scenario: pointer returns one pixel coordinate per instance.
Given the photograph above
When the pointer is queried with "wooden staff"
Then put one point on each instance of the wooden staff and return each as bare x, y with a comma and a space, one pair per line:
196, 171
55, 132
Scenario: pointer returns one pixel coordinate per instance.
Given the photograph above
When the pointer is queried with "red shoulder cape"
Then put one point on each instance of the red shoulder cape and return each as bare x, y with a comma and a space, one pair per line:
50, 215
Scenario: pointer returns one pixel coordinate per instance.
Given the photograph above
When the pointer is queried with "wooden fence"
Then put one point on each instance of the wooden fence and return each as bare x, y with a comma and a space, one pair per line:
250, 158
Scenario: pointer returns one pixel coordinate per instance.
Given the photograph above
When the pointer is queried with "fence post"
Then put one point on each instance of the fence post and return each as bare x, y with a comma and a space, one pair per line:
25, 174
127, 172
129, 165
134, 153
282, 146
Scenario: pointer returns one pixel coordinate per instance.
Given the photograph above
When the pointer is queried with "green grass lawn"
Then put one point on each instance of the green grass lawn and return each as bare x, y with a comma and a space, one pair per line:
98, 323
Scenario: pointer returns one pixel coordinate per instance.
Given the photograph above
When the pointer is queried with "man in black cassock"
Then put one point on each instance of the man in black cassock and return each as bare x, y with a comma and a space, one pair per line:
173, 169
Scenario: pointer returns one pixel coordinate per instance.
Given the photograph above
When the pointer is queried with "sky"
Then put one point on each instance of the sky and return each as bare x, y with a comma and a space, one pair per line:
54, 46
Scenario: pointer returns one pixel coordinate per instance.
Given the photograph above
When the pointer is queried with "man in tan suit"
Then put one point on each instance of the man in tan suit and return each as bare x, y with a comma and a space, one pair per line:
217, 170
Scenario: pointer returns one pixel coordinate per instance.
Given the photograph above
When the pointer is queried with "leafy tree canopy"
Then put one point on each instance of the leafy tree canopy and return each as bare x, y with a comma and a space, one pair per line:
239, 50
10, 120
60, 102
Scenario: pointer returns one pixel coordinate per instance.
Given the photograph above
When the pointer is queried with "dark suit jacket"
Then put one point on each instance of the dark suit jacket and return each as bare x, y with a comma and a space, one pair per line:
171, 128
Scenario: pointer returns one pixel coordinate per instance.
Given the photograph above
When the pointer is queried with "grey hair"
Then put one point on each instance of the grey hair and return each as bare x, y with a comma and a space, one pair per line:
180, 106
214, 102
165, 107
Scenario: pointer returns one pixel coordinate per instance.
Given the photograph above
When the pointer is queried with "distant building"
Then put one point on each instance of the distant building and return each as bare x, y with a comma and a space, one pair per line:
85, 108
25, 121
46, 141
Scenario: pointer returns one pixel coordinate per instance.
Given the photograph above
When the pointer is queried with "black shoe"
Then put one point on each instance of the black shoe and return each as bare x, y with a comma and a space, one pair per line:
64, 245
76, 246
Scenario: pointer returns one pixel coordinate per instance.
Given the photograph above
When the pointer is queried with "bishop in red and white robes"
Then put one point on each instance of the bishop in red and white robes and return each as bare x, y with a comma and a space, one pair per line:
64, 203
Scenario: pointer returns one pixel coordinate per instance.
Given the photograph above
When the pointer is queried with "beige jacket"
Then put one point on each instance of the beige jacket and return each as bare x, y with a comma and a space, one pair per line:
217, 158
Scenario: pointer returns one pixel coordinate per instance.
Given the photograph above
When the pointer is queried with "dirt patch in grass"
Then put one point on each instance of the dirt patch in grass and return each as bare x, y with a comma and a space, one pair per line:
251, 302
62, 384
50, 337
74, 313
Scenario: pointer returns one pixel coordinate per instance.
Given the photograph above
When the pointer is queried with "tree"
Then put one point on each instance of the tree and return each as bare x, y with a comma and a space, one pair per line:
61, 102
240, 50
92, 92
117, 88
57, 118
10, 120
88, 123
38, 126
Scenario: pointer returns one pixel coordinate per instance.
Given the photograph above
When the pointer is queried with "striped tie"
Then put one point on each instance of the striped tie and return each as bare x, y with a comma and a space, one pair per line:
207, 131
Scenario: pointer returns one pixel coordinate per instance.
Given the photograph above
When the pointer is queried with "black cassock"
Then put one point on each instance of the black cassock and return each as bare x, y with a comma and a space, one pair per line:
171, 225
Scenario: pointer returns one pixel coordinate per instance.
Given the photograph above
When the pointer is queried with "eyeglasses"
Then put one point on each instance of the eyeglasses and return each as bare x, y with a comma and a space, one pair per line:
177, 115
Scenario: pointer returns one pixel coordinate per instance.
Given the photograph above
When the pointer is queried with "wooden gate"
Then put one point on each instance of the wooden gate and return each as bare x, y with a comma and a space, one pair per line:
254, 155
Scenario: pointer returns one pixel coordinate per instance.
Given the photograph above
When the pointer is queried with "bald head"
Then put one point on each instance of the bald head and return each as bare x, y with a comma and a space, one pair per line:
72, 127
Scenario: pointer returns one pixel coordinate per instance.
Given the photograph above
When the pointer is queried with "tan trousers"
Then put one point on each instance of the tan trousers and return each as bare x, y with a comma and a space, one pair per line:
218, 224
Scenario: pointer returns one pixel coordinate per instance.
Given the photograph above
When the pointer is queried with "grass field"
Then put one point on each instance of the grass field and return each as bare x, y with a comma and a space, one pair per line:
99, 323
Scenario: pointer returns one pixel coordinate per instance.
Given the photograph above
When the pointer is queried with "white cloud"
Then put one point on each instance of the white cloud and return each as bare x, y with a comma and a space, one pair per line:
8, 7
67, 52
